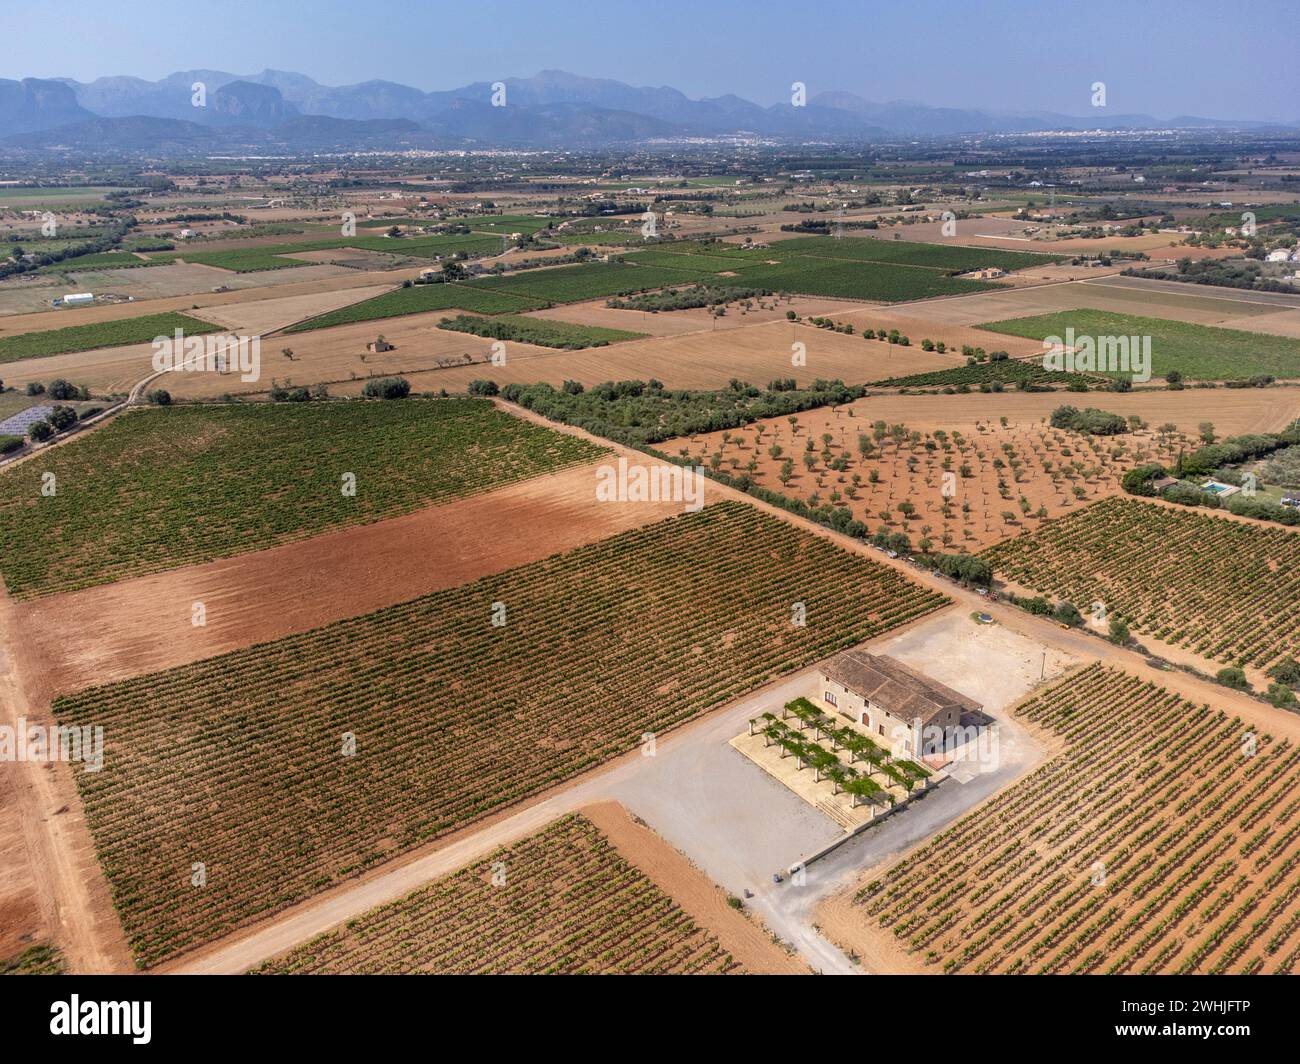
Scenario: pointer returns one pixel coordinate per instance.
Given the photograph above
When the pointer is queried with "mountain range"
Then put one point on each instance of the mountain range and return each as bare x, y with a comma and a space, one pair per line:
283, 110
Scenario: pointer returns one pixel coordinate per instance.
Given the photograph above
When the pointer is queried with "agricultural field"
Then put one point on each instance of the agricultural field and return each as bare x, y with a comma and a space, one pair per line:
99, 334
235, 761
420, 299
1198, 352
35, 960
951, 257
561, 902
538, 331
865, 280
574, 284
939, 480
1007, 371
277, 256
1164, 838
131, 494
1224, 589
104, 260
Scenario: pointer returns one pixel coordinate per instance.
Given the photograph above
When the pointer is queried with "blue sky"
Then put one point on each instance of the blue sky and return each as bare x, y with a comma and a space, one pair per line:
1163, 57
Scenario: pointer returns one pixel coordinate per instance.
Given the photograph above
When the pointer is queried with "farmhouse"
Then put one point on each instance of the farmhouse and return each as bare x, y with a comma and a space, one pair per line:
891, 699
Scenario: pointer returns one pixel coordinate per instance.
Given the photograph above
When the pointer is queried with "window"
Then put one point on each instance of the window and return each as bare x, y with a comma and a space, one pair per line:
830, 698
882, 729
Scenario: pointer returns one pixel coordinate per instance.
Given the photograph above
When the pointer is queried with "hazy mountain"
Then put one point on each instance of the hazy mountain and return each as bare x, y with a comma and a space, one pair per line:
34, 103
245, 103
550, 109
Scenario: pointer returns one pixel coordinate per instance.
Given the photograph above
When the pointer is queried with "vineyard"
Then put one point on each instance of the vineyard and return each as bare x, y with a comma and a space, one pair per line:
1164, 839
421, 299
951, 257
98, 334
236, 761
858, 279
1224, 589
131, 497
1007, 371
563, 901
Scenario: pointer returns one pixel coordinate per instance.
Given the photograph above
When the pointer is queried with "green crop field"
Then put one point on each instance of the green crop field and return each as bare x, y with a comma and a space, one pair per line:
15, 198
235, 761
273, 256
618, 236
592, 280
569, 904
421, 299
703, 264
502, 223
538, 331
1198, 352
105, 260
131, 495
93, 335
844, 279
1009, 371
910, 253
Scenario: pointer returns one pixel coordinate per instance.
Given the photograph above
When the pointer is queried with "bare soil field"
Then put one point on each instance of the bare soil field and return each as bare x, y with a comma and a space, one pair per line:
121, 630
266, 315
703, 359
290, 283
1198, 304
678, 322
1000, 477
757, 354
22, 923
998, 232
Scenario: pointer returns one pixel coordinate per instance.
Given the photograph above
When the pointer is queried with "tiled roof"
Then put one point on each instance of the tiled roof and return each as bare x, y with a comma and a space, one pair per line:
899, 689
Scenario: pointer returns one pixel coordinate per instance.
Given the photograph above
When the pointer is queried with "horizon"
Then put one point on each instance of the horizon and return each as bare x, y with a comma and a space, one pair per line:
1154, 65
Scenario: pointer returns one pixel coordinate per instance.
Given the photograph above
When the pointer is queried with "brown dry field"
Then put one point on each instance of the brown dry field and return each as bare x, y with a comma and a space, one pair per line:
52, 888
116, 631
704, 360
22, 923
1196, 304
116, 369
290, 282
277, 312
699, 897
678, 322
1035, 444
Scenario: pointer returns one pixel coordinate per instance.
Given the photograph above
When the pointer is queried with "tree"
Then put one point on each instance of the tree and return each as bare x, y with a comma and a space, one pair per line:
1066, 613
1119, 633
40, 431
159, 397
393, 388
1233, 677
787, 472
1206, 429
